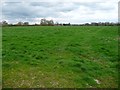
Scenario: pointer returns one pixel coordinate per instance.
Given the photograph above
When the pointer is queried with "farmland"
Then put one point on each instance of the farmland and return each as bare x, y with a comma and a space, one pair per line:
60, 56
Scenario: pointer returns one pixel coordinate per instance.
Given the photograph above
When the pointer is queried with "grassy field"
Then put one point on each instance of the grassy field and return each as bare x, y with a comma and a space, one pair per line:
56, 56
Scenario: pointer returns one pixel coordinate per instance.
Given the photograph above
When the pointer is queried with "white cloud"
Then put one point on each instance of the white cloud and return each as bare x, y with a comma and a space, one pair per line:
77, 11
60, 1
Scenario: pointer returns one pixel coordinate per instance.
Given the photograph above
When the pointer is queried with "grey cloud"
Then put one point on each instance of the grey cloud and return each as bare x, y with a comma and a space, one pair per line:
21, 10
67, 7
13, 11
43, 4
55, 6
95, 6
16, 11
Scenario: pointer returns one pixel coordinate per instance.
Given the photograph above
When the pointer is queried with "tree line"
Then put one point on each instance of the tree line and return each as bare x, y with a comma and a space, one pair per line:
45, 22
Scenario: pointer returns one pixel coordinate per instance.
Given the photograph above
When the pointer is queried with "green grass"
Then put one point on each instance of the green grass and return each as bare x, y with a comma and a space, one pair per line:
1, 58
60, 57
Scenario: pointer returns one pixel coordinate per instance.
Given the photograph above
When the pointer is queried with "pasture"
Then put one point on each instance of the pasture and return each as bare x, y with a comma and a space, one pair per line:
60, 57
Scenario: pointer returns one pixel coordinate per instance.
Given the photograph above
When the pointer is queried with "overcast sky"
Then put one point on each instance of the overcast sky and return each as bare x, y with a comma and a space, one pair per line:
73, 11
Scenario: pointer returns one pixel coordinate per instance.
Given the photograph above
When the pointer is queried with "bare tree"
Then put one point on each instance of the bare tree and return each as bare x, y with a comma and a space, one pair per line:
4, 23
50, 22
45, 22
0, 23
26, 23
20, 23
